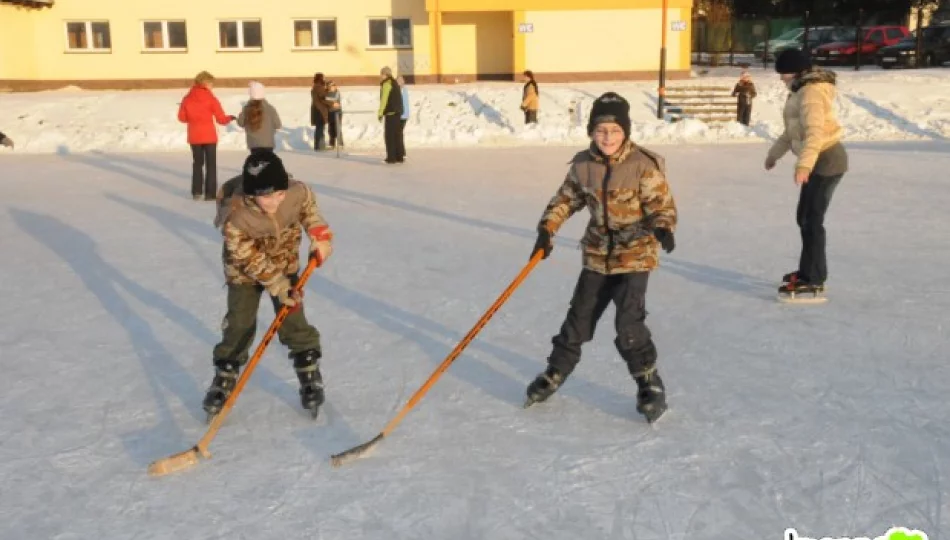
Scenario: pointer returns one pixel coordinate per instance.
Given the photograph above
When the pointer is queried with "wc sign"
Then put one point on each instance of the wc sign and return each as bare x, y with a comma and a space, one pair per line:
525, 28
678, 26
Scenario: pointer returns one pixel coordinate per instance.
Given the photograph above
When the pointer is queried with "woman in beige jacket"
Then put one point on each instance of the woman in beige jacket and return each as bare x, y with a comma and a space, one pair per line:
530, 99
813, 134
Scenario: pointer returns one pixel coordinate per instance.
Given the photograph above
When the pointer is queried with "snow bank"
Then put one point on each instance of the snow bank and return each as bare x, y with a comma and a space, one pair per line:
873, 105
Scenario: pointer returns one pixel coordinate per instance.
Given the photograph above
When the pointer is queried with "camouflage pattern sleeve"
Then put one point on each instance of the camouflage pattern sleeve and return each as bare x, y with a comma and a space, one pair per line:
244, 255
568, 200
312, 220
659, 208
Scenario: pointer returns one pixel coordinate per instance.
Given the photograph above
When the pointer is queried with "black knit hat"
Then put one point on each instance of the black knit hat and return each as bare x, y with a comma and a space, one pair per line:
610, 107
264, 174
792, 61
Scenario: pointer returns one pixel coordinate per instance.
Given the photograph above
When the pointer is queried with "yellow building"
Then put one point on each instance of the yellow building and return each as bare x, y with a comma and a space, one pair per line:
133, 44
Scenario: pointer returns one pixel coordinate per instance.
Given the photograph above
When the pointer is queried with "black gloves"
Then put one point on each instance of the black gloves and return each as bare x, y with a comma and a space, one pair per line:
665, 237
543, 243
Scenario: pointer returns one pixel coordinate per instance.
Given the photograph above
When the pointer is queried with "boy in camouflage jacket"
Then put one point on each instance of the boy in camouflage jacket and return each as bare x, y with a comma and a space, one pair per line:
632, 213
261, 214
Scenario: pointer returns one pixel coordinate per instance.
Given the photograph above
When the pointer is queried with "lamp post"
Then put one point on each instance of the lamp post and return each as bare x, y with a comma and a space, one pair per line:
661, 97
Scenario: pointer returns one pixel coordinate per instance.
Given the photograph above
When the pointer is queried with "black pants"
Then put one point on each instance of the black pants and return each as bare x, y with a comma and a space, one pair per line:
319, 132
336, 128
530, 117
812, 204
402, 135
392, 134
592, 295
204, 170
744, 115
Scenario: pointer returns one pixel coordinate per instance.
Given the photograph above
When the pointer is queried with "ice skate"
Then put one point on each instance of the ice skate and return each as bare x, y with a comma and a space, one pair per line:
544, 386
311, 381
651, 396
225, 377
800, 292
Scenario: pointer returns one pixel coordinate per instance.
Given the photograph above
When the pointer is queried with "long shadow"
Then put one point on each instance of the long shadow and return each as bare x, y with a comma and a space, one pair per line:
182, 226
107, 163
105, 282
480, 108
355, 196
502, 387
894, 118
128, 160
711, 276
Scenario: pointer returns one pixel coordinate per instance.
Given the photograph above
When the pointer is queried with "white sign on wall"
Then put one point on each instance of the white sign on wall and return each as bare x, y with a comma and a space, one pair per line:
525, 28
678, 26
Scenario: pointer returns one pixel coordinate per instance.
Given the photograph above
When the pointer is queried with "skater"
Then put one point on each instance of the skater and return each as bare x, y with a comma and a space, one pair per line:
813, 134
745, 92
404, 118
336, 115
6, 141
259, 119
530, 100
261, 214
200, 109
319, 111
632, 213
390, 111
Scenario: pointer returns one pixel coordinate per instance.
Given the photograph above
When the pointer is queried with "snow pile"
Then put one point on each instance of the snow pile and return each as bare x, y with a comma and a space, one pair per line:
873, 105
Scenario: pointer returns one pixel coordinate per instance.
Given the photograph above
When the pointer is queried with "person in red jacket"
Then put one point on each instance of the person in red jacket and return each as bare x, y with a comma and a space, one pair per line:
200, 109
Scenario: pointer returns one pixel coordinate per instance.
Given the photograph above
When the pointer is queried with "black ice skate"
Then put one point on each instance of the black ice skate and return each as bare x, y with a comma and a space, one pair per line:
802, 292
544, 386
651, 396
793, 277
311, 381
225, 377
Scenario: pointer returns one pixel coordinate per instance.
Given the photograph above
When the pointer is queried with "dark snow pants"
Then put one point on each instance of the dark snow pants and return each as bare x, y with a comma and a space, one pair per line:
813, 202
204, 170
240, 325
593, 293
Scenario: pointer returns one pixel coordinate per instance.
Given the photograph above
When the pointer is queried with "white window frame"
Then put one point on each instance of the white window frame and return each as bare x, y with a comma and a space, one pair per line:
389, 33
166, 43
91, 48
316, 35
240, 29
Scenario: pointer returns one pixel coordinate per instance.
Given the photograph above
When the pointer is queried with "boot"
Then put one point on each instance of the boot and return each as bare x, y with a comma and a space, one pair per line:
651, 395
225, 377
311, 381
544, 386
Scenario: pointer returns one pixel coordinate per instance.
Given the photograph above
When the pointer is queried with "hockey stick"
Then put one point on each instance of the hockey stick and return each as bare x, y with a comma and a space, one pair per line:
189, 458
363, 449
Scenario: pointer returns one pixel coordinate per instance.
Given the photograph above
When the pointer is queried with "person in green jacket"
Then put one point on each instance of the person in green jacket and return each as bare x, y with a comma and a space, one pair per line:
390, 113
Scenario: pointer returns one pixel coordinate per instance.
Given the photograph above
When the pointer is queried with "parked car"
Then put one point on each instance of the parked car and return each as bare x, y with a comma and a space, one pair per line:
934, 49
844, 49
793, 39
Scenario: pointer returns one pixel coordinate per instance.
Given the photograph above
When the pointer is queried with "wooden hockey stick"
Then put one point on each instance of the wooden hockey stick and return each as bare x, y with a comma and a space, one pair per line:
189, 458
364, 449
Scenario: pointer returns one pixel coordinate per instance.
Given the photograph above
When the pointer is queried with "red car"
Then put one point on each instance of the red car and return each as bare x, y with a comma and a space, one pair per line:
843, 50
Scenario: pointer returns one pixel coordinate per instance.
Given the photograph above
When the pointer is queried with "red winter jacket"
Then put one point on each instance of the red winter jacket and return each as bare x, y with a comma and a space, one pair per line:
199, 110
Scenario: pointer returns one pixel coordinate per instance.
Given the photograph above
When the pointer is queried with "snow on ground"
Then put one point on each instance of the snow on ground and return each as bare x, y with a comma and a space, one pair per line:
873, 105
830, 419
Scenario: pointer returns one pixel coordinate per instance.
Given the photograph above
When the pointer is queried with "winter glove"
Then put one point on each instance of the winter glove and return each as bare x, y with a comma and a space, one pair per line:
283, 291
7, 141
665, 237
320, 243
543, 242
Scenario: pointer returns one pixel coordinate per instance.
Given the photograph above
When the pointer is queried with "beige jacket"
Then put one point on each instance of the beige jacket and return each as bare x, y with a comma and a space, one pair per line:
810, 123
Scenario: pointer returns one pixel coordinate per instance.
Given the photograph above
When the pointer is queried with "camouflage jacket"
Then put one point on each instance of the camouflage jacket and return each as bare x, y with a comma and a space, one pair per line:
628, 197
260, 248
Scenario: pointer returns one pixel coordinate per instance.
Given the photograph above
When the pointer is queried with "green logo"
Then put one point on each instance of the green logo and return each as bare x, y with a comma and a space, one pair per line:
894, 533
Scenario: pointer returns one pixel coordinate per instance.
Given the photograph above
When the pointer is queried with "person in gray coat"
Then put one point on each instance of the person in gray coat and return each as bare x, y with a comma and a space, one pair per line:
259, 120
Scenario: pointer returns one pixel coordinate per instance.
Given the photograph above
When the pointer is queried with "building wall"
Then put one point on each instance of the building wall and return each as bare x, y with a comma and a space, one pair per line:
477, 43
602, 41
127, 60
17, 39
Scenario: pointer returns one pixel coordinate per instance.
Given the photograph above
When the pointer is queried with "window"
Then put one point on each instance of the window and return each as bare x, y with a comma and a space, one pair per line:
876, 36
165, 35
315, 34
239, 35
894, 33
390, 33
88, 36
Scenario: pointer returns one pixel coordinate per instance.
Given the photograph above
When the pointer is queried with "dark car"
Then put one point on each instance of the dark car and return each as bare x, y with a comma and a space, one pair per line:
934, 49
844, 50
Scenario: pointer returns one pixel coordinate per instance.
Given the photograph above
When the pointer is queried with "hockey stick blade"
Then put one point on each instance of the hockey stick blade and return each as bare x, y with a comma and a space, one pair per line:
356, 452
177, 462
